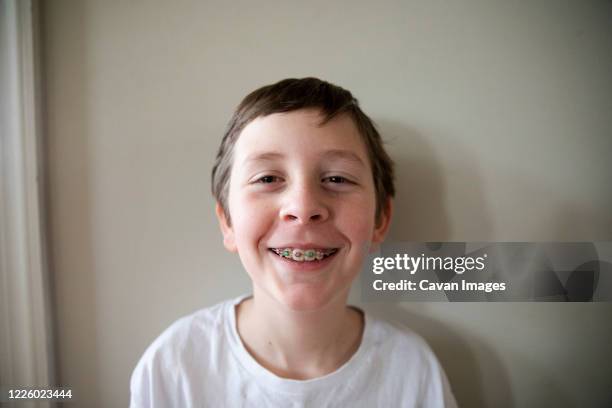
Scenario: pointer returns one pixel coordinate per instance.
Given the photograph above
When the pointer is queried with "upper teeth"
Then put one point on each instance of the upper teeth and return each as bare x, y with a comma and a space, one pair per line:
302, 255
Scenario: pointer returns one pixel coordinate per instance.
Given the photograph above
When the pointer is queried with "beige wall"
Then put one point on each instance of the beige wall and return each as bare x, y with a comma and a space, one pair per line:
497, 114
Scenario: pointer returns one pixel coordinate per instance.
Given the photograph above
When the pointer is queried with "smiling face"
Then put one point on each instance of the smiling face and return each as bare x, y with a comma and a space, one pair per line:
302, 204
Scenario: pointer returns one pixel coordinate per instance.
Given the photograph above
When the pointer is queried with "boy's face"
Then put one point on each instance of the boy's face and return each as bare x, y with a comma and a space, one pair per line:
296, 185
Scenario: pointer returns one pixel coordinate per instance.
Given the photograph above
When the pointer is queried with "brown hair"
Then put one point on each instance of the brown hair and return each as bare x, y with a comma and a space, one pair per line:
306, 93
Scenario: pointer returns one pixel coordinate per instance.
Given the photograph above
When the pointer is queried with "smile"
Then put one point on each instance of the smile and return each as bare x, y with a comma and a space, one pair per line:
304, 255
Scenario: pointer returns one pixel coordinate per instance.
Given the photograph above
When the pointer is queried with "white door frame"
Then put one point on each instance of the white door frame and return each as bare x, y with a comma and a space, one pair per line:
26, 330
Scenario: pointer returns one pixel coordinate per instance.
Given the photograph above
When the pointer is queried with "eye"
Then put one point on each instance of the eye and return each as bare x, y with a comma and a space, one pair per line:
337, 179
267, 179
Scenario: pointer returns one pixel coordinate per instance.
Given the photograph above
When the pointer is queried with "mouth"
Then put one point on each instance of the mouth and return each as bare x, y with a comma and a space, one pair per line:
304, 255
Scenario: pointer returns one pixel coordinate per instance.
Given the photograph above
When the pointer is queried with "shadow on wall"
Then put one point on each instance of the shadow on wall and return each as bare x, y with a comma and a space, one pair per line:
554, 213
473, 369
420, 191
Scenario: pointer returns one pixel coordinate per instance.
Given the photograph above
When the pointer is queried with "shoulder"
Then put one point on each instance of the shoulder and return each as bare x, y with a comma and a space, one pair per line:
399, 339
409, 362
172, 353
179, 357
399, 347
196, 329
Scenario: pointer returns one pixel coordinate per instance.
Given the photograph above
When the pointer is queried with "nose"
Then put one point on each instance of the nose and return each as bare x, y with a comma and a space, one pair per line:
304, 204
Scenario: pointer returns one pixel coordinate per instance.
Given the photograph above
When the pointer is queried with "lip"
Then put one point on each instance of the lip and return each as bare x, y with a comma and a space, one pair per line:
309, 266
307, 245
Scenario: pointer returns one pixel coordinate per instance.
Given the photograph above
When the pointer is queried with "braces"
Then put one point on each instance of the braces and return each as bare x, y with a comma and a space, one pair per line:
301, 255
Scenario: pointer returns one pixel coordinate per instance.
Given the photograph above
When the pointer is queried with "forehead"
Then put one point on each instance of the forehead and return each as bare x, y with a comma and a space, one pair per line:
300, 133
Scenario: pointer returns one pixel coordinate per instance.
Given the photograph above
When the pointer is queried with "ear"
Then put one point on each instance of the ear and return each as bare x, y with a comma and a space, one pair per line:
382, 226
226, 229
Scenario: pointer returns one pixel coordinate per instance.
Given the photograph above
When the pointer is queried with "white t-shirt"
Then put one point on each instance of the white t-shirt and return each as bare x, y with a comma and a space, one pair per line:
200, 361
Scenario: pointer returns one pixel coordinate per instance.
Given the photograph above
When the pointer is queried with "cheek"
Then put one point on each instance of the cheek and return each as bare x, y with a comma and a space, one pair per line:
363, 210
251, 222
251, 219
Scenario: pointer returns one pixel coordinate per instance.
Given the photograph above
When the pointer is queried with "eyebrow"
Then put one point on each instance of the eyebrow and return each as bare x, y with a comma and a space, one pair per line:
335, 154
344, 155
266, 156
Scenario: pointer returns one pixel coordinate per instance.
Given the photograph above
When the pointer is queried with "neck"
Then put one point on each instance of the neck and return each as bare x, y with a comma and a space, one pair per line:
299, 344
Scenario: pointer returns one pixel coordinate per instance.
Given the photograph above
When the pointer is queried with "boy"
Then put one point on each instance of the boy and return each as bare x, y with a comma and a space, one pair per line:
304, 190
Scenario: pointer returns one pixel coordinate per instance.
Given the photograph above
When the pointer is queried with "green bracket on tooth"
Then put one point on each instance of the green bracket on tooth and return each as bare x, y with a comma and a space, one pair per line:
309, 254
286, 253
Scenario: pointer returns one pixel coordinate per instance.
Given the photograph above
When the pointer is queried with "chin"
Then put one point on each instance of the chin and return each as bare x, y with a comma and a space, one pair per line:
306, 300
